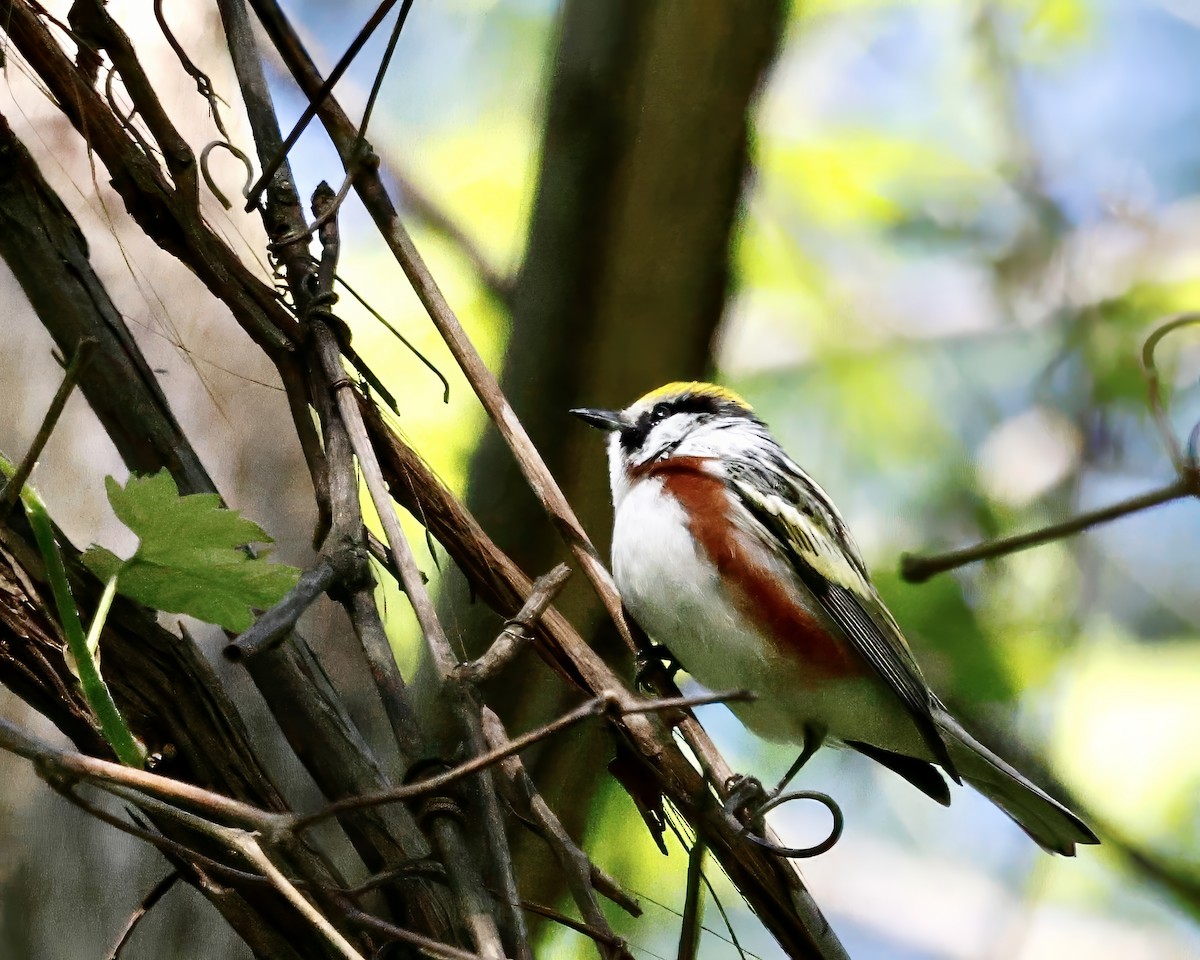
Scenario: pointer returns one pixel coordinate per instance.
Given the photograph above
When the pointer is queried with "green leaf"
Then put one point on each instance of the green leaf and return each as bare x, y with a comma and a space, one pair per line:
189, 558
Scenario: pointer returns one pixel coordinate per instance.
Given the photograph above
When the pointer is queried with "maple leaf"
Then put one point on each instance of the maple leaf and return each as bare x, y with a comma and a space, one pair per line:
190, 557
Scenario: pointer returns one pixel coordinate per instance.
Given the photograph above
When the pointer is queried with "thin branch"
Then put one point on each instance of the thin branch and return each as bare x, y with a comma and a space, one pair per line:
56, 764
203, 84
427, 868
575, 864
469, 888
427, 212
318, 98
408, 345
12, 488
375, 198
613, 702
348, 530
47, 252
363, 156
107, 775
424, 944
247, 845
273, 627
167, 212
692, 922
917, 568
165, 845
157, 892
517, 631
614, 945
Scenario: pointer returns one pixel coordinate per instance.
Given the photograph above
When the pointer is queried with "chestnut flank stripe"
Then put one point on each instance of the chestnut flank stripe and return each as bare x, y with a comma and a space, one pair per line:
753, 588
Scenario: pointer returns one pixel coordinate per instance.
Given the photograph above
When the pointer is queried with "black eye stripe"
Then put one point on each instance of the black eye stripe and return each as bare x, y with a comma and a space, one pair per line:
633, 437
705, 406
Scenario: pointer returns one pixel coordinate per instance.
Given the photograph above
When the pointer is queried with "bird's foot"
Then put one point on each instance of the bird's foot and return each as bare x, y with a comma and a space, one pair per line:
743, 797
747, 803
655, 657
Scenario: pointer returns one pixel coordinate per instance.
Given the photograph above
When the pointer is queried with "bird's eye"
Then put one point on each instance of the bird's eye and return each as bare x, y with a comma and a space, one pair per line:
659, 413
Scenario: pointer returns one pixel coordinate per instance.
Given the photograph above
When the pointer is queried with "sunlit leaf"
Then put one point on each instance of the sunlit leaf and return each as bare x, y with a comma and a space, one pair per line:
189, 558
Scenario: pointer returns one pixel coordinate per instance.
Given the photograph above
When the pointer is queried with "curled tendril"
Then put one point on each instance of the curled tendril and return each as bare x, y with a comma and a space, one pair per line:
798, 853
204, 85
1154, 389
123, 118
758, 812
237, 152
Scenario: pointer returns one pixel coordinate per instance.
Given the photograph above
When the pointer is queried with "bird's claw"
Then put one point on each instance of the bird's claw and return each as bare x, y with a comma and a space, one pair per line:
747, 802
744, 796
654, 657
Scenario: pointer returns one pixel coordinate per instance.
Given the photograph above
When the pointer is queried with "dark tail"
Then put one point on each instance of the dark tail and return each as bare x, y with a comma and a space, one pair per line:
1055, 828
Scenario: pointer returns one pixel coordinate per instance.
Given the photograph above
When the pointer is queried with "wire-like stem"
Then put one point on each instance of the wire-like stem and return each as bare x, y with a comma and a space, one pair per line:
100, 617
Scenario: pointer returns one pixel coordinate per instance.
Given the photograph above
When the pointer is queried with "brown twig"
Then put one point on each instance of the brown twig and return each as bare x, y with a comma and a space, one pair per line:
167, 211
172, 849
203, 84
617, 703
916, 568
517, 630
461, 865
318, 97
424, 944
575, 864
157, 892
247, 845
375, 198
273, 627
614, 945
108, 775
242, 841
427, 212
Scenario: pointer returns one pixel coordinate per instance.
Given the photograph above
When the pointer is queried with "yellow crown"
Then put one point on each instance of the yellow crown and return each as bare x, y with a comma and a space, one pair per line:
696, 388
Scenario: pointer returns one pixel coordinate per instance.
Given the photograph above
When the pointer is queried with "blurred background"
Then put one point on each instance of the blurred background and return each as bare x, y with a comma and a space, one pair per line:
926, 240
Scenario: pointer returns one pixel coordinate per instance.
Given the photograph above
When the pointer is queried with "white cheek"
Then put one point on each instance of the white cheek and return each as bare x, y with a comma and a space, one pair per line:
618, 481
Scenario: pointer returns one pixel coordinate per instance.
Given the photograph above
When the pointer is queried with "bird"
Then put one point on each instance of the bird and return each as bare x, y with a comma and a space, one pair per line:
732, 557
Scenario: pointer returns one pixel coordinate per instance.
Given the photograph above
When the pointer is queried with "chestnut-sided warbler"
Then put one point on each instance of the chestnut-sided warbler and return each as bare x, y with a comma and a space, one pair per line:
730, 556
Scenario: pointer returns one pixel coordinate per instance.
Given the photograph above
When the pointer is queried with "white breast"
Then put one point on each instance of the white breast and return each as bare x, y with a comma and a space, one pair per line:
674, 593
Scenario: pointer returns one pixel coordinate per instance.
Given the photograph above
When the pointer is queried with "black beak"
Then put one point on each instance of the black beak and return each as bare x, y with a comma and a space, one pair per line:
604, 419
